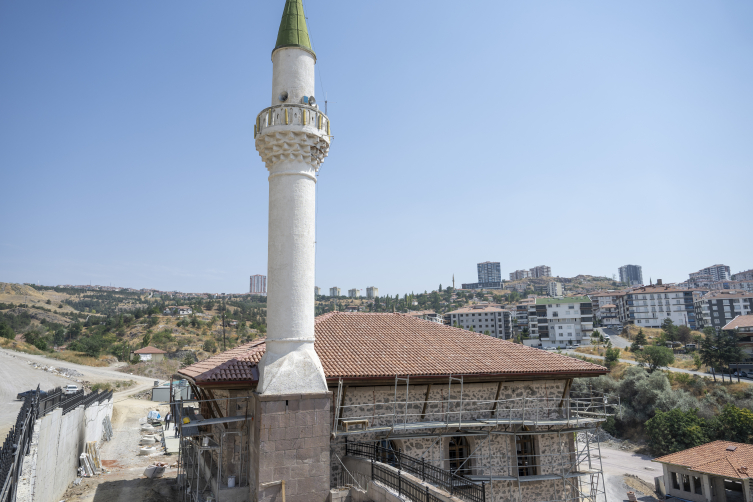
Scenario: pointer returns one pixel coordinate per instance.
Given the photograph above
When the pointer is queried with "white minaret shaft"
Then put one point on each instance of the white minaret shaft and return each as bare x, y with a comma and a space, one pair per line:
292, 137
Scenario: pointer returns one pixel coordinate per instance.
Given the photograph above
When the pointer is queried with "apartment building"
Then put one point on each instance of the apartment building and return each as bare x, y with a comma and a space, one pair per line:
554, 288
354, 293
648, 306
632, 275
738, 285
494, 321
718, 308
607, 316
489, 271
715, 272
317, 291
541, 271
559, 322
258, 285
427, 315
482, 285
372, 292
743, 276
334, 291
520, 274
600, 302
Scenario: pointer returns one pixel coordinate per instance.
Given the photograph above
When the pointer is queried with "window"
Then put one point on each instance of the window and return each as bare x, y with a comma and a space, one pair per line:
685, 482
697, 488
386, 452
458, 452
526, 455
675, 483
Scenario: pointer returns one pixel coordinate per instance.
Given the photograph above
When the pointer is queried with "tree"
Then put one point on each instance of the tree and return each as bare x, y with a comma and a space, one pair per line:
669, 329
188, 360
735, 424
655, 357
640, 341
146, 339
612, 357
210, 346
440, 288
675, 430
713, 349
6, 331
684, 334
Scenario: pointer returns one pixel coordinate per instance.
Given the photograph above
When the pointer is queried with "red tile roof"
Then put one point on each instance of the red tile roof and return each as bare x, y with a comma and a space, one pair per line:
149, 350
366, 345
741, 321
720, 458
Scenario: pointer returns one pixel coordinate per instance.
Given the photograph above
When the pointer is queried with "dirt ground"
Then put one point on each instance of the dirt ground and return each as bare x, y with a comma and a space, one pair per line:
125, 480
628, 471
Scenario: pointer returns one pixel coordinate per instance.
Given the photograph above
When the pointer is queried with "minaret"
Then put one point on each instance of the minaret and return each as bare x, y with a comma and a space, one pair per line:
292, 137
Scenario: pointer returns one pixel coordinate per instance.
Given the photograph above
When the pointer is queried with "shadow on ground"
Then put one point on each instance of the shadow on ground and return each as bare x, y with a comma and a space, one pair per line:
140, 489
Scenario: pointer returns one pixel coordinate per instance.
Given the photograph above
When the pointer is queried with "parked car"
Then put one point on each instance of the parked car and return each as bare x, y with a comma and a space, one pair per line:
70, 389
22, 395
742, 374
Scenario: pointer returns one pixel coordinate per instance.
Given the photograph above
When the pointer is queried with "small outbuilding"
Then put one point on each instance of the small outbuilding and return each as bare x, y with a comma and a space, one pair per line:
150, 353
712, 472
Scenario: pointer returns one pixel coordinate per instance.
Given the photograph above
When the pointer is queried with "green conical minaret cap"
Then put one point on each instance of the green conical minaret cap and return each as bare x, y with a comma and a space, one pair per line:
293, 31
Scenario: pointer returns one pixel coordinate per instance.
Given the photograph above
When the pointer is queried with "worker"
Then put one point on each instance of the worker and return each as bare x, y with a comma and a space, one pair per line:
168, 417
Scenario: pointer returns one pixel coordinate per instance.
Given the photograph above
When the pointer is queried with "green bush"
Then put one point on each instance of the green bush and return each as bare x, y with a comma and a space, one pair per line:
676, 430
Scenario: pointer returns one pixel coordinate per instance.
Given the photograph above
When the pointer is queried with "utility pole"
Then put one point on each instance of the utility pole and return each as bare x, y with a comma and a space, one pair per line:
223, 323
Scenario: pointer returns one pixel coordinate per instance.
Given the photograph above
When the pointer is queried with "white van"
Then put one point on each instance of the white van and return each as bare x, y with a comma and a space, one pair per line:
70, 389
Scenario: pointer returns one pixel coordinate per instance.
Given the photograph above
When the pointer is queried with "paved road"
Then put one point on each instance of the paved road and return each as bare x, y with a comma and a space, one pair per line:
16, 375
614, 336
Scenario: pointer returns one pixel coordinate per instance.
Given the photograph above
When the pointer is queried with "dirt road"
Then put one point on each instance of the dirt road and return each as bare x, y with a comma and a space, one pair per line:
16, 375
125, 481
617, 463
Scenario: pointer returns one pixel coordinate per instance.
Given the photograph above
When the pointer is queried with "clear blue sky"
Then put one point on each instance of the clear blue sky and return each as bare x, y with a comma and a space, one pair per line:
582, 135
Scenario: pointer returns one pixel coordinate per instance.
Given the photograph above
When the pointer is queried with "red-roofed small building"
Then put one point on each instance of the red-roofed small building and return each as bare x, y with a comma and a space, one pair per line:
718, 471
150, 353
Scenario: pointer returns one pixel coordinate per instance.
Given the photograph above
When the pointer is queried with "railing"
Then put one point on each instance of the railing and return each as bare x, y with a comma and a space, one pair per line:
16, 446
292, 114
452, 483
18, 440
402, 486
528, 410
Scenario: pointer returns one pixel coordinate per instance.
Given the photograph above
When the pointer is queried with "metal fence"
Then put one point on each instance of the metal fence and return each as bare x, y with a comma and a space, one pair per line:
395, 480
16, 446
18, 440
456, 485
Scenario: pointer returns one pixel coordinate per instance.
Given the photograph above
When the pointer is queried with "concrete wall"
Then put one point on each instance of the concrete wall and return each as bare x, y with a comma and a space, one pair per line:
54, 456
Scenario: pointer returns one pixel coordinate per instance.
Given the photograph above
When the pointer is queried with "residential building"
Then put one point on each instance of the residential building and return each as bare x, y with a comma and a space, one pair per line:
372, 292
258, 285
317, 291
354, 293
334, 291
742, 325
712, 472
632, 275
738, 285
607, 316
743, 276
183, 310
489, 271
541, 271
499, 388
559, 322
482, 285
554, 288
426, 315
718, 308
150, 354
482, 319
649, 306
520, 274
716, 272
521, 287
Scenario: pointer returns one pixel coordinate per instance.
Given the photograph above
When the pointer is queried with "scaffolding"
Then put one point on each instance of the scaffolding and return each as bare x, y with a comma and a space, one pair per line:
571, 460
202, 451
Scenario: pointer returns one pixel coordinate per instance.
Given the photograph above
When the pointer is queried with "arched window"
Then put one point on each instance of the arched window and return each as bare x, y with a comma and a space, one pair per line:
458, 452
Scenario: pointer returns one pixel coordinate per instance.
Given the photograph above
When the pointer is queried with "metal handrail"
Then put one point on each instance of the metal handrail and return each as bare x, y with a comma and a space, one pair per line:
453, 483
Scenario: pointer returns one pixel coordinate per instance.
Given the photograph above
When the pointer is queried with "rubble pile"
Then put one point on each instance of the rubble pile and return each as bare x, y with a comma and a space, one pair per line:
65, 372
600, 436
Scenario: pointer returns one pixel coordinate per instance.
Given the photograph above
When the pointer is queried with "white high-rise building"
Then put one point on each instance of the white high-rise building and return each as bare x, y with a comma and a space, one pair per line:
372, 292
335, 291
354, 293
554, 288
714, 272
632, 275
258, 285
292, 137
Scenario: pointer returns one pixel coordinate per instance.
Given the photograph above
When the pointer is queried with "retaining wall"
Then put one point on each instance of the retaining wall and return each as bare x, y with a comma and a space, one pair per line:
59, 440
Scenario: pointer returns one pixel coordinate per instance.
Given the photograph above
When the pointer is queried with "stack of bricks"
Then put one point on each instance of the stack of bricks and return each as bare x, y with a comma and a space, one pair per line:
292, 444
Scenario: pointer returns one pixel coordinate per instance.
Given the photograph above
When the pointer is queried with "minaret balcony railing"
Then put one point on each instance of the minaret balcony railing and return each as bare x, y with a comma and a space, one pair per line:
304, 116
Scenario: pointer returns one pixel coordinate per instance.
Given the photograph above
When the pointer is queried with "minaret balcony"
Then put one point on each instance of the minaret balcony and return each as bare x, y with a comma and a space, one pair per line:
292, 117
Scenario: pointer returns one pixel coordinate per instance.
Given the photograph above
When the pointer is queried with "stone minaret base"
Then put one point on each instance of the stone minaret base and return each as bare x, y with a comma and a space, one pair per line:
291, 443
